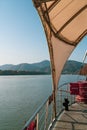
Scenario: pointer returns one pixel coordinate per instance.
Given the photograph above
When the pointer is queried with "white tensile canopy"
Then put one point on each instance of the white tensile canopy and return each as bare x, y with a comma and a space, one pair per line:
65, 24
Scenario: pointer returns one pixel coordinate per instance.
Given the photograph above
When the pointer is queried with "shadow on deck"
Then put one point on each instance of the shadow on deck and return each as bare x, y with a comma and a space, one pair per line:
74, 119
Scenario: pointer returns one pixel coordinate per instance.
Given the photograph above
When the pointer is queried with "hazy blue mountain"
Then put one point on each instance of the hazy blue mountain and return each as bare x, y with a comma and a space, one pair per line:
6, 67
37, 67
71, 67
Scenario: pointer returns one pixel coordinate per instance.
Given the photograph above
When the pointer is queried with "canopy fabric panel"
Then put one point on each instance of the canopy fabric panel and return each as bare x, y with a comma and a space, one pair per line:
65, 24
61, 52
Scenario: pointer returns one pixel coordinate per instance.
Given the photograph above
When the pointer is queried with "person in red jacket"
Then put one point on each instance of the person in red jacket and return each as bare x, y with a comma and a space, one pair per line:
32, 126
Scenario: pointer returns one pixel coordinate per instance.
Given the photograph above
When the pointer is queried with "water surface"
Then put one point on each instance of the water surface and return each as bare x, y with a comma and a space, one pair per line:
20, 96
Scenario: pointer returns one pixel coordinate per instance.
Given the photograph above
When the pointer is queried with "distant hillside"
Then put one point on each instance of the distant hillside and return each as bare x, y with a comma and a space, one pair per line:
43, 66
71, 67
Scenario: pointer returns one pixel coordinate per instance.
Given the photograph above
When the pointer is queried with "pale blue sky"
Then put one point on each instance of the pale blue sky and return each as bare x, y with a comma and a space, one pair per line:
80, 50
22, 38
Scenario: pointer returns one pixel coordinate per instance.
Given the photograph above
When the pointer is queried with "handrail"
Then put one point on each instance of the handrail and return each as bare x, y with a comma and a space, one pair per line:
47, 112
63, 84
35, 113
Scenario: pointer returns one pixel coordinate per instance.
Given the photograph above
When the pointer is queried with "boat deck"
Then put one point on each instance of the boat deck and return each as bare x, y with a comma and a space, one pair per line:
74, 119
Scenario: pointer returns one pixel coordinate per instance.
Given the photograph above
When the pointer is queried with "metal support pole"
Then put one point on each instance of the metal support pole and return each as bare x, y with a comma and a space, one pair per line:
54, 104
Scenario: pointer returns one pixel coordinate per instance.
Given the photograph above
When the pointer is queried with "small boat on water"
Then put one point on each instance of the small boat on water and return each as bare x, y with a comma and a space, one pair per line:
65, 24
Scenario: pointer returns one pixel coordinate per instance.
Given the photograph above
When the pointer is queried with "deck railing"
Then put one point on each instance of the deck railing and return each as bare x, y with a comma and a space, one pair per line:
43, 118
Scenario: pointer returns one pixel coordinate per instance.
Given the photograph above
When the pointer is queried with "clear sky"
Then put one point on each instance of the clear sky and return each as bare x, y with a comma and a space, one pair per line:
79, 52
22, 38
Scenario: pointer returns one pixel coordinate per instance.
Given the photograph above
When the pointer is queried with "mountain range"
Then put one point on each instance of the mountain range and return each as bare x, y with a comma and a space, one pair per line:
71, 67
40, 67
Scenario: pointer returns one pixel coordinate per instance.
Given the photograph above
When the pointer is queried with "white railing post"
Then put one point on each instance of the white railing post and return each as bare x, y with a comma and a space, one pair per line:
37, 121
61, 99
46, 115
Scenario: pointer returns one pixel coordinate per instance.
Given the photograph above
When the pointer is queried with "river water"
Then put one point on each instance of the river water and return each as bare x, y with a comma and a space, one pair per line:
20, 96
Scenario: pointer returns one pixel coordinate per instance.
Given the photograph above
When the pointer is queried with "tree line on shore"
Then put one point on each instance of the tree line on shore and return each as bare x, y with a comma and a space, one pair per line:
11, 72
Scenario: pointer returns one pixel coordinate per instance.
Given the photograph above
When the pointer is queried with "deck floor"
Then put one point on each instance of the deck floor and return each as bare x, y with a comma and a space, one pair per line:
74, 119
